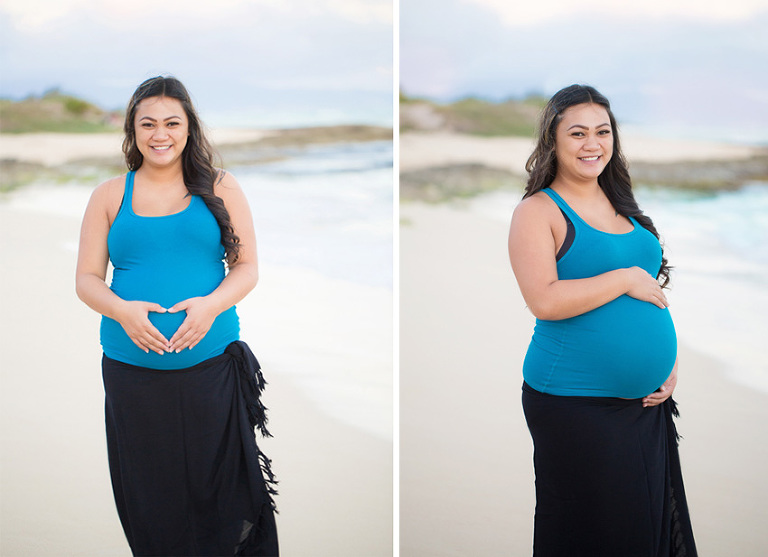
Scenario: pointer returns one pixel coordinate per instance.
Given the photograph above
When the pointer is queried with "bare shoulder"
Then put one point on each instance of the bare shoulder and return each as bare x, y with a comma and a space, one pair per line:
226, 186
111, 187
228, 189
225, 180
536, 208
108, 195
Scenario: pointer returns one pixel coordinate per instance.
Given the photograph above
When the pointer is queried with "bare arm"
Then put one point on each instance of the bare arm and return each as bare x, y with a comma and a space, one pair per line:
90, 276
240, 280
532, 250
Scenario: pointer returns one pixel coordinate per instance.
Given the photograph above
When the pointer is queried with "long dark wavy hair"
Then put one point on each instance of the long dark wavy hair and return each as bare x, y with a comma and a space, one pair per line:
614, 180
197, 159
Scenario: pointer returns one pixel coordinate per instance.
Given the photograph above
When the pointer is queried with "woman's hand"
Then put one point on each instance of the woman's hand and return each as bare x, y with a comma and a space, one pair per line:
134, 318
201, 313
642, 286
664, 392
536, 233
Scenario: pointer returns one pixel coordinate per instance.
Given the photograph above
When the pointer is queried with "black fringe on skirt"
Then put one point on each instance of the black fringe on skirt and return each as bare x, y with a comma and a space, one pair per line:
608, 478
187, 474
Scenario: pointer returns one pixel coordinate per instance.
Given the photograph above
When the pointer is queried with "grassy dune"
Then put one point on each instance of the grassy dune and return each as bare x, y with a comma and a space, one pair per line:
55, 111
472, 116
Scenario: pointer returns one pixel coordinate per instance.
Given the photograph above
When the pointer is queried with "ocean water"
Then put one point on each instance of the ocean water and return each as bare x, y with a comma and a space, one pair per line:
328, 208
718, 245
324, 226
322, 312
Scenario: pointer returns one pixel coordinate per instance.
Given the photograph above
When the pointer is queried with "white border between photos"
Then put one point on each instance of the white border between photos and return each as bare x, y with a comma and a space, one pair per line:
396, 278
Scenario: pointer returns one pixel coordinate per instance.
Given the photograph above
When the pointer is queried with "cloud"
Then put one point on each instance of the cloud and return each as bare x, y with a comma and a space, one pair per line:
529, 12
363, 11
244, 61
38, 16
328, 44
668, 70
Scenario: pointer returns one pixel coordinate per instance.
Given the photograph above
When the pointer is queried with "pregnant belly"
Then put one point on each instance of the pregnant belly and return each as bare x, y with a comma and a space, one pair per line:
167, 323
165, 287
626, 348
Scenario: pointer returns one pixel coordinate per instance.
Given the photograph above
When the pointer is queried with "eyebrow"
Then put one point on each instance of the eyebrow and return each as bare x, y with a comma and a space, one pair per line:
587, 127
164, 120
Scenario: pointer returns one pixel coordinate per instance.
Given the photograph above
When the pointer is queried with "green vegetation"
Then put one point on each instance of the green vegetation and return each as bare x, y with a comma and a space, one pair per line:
472, 115
55, 111
406, 99
480, 117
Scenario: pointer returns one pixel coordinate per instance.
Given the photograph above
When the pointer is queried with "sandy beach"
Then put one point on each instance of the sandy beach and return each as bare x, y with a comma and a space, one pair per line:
467, 479
51, 149
335, 479
466, 474
417, 149
466, 455
420, 150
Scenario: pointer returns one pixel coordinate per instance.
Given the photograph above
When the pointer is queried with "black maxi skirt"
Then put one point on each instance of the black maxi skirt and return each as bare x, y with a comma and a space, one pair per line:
187, 475
608, 479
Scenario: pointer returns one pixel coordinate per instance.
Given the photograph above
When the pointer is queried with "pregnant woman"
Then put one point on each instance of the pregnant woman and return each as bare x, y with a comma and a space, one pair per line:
182, 391
602, 364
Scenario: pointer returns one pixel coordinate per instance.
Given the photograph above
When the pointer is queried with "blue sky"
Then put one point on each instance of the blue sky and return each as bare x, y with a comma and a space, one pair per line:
683, 68
246, 62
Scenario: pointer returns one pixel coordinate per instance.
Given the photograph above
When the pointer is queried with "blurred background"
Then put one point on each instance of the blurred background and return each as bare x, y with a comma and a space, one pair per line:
687, 86
257, 63
298, 98
685, 69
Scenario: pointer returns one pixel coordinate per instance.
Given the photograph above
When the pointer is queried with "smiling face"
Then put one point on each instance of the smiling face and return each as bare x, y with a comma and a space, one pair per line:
162, 129
583, 142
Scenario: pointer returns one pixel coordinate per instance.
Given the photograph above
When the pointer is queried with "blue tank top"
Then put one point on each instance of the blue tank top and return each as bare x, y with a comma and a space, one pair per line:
625, 348
165, 260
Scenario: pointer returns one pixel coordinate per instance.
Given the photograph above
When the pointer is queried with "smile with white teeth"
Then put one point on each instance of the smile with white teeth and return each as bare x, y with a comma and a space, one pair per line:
589, 158
163, 148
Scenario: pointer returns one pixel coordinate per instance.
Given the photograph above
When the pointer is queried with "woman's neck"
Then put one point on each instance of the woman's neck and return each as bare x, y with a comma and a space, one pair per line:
577, 189
161, 175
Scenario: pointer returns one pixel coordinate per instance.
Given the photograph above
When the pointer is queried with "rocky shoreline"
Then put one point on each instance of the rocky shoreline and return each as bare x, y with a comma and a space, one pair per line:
24, 161
433, 185
446, 182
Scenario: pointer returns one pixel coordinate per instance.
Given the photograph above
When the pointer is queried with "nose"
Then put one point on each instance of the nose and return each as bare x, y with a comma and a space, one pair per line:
591, 143
160, 132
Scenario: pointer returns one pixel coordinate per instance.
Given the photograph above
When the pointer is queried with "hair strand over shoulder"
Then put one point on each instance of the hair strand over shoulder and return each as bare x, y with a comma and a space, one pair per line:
614, 180
198, 158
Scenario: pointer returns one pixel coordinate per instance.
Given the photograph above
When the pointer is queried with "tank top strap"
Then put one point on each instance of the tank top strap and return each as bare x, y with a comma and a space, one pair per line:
127, 203
564, 207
